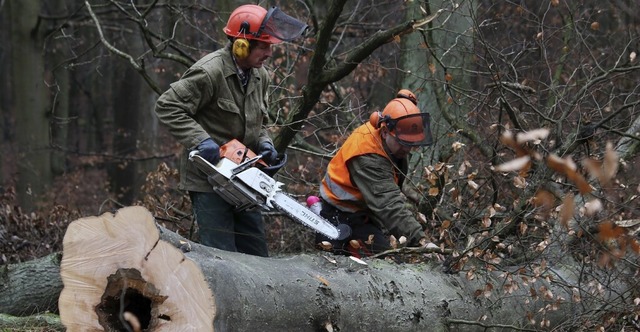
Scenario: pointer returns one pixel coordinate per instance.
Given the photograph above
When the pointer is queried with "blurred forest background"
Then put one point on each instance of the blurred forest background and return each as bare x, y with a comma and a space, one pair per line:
535, 107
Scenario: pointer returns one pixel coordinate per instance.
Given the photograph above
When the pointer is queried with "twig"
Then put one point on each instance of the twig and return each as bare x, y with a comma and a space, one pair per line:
413, 250
486, 326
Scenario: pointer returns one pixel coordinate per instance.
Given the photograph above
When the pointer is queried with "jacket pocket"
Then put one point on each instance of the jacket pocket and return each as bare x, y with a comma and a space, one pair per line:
228, 106
182, 89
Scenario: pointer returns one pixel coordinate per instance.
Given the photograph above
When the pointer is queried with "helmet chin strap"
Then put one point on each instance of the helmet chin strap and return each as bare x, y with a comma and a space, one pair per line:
242, 63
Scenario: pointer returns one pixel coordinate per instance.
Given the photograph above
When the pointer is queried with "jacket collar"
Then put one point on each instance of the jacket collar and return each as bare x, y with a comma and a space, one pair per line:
230, 67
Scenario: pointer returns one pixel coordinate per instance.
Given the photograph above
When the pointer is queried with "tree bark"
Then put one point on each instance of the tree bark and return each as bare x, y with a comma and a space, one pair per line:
123, 267
31, 287
31, 103
45, 322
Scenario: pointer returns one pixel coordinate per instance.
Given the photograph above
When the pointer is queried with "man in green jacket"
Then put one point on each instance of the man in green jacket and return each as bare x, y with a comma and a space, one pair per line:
224, 96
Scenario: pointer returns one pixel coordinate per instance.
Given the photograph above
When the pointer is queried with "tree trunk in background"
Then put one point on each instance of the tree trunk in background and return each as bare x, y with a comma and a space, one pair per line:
60, 89
455, 41
6, 91
122, 172
31, 103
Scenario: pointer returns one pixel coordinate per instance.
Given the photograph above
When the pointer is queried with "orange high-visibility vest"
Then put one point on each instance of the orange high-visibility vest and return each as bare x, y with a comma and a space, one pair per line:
337, 187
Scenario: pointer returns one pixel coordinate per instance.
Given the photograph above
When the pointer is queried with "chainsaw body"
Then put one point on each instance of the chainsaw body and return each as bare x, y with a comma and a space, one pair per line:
239, 180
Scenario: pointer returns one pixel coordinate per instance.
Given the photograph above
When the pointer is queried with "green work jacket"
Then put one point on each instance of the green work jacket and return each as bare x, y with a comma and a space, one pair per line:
383, 198
209, 101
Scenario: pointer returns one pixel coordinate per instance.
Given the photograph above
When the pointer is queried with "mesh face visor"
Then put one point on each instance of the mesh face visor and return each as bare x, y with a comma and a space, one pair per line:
282, 26
412, 129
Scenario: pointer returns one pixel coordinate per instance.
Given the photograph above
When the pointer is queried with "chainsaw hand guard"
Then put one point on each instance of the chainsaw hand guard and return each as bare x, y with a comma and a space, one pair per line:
279, 162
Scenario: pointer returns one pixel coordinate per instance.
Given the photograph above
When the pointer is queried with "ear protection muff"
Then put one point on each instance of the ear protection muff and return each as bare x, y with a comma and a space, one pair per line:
377, 120
240, 48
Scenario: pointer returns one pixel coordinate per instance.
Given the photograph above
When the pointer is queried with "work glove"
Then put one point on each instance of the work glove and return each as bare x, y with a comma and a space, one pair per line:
268, 152
209, 150
276, 165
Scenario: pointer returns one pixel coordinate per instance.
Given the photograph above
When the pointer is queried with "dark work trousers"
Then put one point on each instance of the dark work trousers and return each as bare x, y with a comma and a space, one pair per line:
361, 230
221, 226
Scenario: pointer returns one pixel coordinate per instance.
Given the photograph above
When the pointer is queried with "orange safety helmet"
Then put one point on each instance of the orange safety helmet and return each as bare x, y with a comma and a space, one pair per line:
405, 122
404, 93
253, 22
246, 22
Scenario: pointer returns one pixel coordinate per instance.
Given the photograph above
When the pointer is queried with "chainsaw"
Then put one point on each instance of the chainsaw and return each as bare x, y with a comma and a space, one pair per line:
240, 180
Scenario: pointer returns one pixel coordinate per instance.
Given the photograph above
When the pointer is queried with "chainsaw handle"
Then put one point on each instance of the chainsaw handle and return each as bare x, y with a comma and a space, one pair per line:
238, 153
271, 170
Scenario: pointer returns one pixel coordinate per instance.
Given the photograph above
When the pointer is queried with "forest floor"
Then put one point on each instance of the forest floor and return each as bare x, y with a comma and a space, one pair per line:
28, 235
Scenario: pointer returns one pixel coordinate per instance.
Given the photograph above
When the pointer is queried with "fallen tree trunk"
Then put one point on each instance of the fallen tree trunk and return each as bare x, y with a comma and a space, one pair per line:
41, 322
31, 287
121, 271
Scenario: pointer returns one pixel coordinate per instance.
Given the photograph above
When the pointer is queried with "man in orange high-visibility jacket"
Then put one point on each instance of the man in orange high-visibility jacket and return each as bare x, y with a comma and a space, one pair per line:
362, 185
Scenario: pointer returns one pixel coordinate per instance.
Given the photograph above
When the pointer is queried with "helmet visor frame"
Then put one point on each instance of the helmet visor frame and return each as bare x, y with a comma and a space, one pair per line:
412, 130
279, 25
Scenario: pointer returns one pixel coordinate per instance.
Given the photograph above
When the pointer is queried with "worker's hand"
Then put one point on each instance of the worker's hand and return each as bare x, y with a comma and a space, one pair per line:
268, 152
209, 150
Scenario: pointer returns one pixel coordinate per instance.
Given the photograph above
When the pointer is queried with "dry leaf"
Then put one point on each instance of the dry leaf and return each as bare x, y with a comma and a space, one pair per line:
463, 169
566, 212
486, 222
535, 136
358, 260
544, 200
457, 146
519, 182
471, 274
473, 185
354, 244
328, 327
592, 207
448, 77
432, 68
507, 139
594, 168
369, 239
393, 242
523, 228
445, 224
610, 163
609, 231
567, 167
488, 288
323, 280
331, 260
514, 165
325, 245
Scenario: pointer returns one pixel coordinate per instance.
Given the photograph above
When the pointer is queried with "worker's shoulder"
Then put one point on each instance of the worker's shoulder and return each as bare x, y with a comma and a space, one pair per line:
215, 62
211, 59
